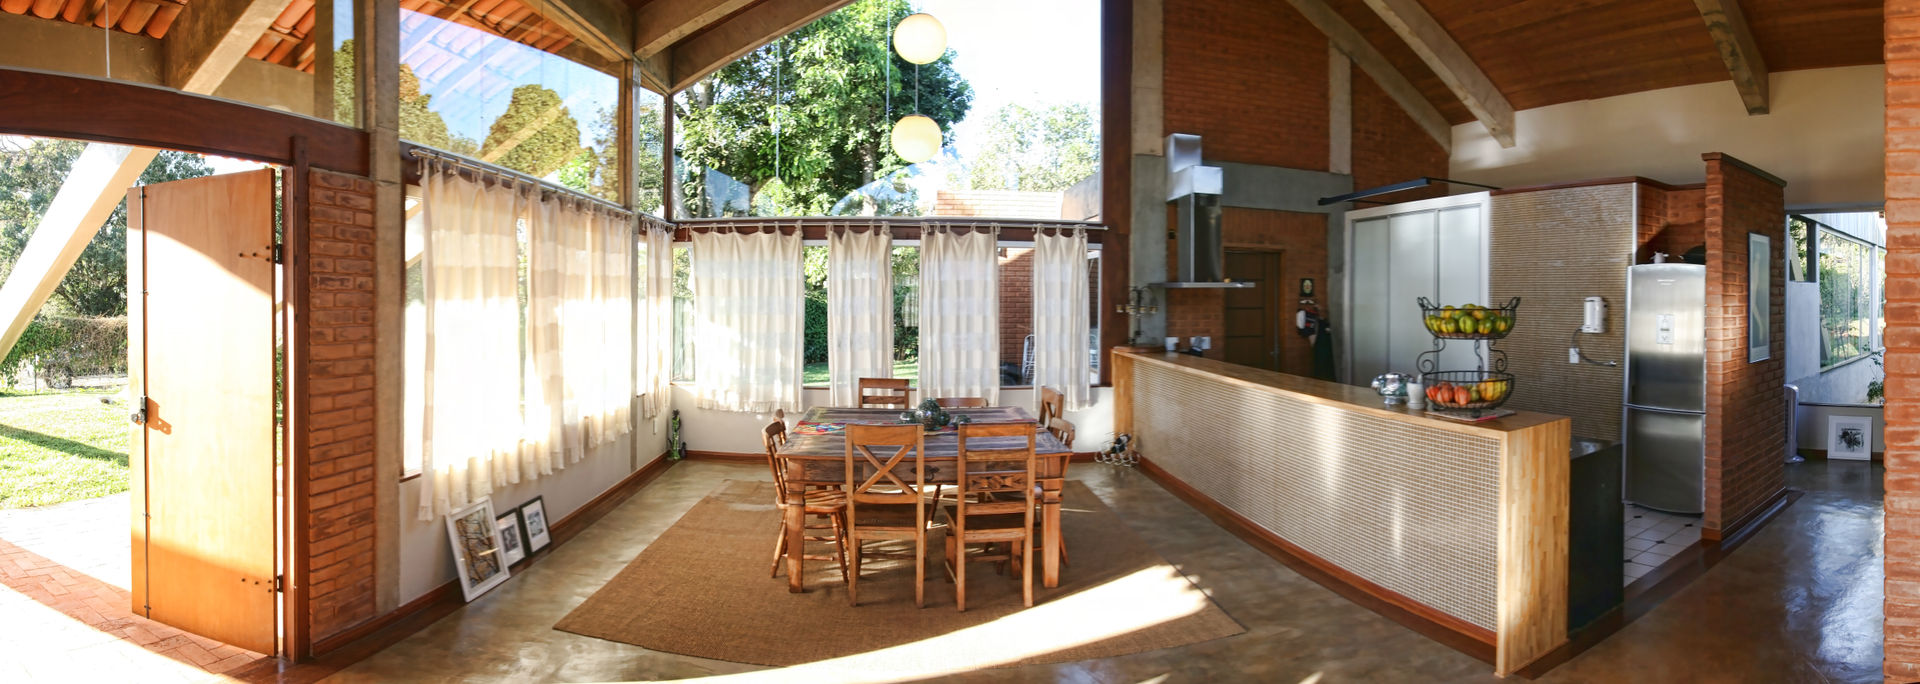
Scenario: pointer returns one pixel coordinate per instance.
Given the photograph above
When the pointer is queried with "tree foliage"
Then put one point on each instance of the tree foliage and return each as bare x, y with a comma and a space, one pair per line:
418, 122
537, 133
31, 173
825, 89
1038, 149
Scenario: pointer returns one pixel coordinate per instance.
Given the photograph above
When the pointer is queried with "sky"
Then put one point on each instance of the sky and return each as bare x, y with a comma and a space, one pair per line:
1029, 51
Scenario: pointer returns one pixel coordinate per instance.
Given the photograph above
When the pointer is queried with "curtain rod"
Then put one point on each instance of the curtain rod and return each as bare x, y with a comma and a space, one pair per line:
909, 221
419, 152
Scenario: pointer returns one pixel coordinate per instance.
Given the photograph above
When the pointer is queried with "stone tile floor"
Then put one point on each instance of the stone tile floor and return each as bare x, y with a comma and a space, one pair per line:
1653, 537
1799, 602
64, 580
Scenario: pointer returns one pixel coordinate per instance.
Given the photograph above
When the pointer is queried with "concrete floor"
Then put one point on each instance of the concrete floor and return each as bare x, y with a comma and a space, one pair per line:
1799, 602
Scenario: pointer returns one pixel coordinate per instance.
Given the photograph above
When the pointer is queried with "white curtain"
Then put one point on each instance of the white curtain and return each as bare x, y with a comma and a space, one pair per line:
579, 390
859, 310
656, 320
748, 320
1060, 344
959, 312
471, 429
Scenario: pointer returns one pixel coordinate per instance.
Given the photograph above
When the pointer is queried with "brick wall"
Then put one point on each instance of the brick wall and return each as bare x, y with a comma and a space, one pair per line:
1902, 504
1746, 422
1301, 239
1672, 220
1250, 78
1016, 303
1388, 147
340, 523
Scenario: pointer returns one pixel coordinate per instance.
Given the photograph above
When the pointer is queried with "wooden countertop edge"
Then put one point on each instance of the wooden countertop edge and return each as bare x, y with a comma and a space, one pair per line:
1264, 380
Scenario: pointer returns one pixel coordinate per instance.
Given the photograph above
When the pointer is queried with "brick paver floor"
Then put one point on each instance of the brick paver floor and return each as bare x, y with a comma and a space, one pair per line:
64, 575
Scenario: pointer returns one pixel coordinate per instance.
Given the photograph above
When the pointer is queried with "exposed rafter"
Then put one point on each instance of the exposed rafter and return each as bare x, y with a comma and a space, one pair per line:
1431, 42
658, 25
1738, 49
732, 39
1348, 40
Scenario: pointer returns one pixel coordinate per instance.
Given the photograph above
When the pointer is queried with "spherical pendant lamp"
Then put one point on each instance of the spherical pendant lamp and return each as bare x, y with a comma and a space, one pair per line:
916, 138
920, 38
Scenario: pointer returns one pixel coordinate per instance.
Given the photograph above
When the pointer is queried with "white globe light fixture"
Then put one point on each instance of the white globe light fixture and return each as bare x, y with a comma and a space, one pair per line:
916, 138
920, 38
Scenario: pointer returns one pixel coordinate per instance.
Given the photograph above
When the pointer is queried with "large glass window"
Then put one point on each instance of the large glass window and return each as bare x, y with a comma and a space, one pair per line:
508, 90
1800, 236
1847, 282
649, 150
682, 313
803, 125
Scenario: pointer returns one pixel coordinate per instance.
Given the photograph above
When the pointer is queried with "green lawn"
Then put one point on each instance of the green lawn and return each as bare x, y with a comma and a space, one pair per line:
816, 373
61, 445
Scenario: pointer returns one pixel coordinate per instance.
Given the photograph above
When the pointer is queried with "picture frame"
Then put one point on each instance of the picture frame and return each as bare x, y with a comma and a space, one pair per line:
1306, 287
513, 536
1850, 438
474, 535
533, 516
1759, 297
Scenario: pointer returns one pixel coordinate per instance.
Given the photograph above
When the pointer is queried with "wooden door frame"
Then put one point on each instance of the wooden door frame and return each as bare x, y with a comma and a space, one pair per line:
1279, 252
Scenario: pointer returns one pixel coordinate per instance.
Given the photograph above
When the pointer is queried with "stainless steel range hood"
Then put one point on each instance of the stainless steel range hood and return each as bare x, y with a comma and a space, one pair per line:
1195, 190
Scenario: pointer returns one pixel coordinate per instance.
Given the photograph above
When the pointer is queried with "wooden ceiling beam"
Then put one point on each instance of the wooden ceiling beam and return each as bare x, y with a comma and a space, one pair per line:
1443, 54
704, 54
658, 25
1348, 40
205, 45
1738, 50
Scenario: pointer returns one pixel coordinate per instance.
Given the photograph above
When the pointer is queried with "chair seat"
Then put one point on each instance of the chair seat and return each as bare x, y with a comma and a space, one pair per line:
984, 523
826, 501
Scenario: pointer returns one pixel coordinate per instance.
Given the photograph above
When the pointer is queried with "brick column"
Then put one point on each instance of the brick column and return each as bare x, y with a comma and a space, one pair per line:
1902, 630
1746, 417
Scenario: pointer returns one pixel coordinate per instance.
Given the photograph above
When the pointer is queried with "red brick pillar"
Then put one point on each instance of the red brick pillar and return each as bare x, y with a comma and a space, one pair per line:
1902, 632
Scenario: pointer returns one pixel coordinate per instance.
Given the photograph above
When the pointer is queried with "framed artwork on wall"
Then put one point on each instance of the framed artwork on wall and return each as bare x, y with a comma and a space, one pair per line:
1759, 297
1850, 438
478, 560
512, 536
533, 514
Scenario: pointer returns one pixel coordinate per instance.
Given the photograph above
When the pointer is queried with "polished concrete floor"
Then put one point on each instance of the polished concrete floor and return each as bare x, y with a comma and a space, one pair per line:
1799, 602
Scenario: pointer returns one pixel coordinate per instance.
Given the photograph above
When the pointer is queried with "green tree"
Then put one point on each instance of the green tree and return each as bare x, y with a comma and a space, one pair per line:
826, 86
31, 173
1039, 149
542, 134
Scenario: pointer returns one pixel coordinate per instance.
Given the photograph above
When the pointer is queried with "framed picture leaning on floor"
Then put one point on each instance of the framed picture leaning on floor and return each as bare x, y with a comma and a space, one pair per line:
1850, 437
534, 515
479, 562
512, 536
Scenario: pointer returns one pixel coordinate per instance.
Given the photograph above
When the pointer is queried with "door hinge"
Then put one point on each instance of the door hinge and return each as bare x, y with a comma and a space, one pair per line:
279, 253
278, 585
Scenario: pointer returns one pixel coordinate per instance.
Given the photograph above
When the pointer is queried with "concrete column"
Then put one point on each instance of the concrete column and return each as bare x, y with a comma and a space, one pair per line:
378, 49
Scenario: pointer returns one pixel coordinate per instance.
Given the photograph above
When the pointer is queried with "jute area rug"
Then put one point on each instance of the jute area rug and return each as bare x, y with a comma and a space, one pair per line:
702, 589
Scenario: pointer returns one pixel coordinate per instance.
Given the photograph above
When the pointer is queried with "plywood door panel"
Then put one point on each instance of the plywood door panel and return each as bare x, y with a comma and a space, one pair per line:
203, 353
1367, 333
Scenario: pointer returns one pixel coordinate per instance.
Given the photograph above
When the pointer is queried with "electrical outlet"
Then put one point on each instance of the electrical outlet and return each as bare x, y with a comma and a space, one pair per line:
1573, 354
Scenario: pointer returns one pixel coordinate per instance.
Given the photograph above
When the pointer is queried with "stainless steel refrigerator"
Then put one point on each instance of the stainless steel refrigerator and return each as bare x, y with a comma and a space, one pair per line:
1666, 387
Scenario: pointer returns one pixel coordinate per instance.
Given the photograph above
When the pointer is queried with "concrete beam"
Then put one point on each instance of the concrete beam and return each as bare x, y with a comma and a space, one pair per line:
94, 187
744, 33
1348, 39
204, 45
1442, 54
658, 25
1738, 50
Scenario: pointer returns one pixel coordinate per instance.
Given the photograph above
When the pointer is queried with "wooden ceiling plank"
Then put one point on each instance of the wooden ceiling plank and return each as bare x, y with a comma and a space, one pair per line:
1364, 55
1438, 49
1734, 39
742, 34
658, 25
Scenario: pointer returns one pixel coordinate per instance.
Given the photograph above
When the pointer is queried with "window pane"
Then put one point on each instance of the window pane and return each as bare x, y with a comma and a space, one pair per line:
682, 314
1093, 312
1845, 297
906, 312
814, 260
649, 144
414, 337
1799, 233
344, 105
1880, 286
466, 88
803, 126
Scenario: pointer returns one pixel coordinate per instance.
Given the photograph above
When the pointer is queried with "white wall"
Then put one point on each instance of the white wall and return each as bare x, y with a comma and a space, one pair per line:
727, 431
426, 561
1824, 136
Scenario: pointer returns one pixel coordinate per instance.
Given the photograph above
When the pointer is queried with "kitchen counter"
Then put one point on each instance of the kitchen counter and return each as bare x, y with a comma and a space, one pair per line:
1459, 529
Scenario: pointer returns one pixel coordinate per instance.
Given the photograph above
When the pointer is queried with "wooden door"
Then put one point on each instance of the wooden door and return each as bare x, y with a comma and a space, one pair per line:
1255, 319
200, 320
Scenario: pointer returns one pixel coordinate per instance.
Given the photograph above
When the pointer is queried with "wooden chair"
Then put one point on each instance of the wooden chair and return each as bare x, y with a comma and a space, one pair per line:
1000, 520
889, 392
1053, 405
961, 402
821, 503
886, 504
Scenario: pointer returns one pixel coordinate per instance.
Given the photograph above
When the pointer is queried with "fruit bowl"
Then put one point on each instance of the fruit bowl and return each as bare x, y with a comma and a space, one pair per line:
1467, 390
1470, 321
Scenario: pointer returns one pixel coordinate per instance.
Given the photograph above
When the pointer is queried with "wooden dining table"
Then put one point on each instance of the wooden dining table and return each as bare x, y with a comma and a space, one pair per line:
815, 455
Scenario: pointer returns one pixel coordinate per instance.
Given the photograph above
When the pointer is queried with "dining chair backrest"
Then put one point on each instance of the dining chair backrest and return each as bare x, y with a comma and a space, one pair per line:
1003, 465
771, 439
1052, 405
897, 455
887, 392
961, 402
